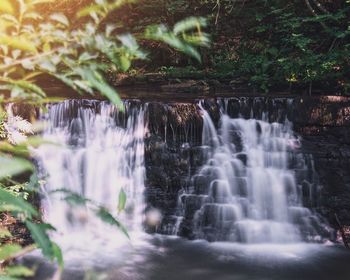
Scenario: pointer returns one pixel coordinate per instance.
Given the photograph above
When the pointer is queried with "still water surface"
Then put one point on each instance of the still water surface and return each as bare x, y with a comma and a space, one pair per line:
171, 258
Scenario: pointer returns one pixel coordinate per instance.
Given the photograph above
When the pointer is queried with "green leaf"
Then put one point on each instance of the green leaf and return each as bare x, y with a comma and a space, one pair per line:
197, 40
32, 75
98, 83
20, 150
19, 271
85, 56
71, 197
129, 42
61, 18
33, 185
9, 250
33, 16
5, 277
41, 238
57, 253
160, 33
28, 86
66, 80
9, 18
124, 63
90, 10
28, 64
188, 24
75, 199
11, 166
4, 233
18, 43
36, 141
107, 217
47, 65
84, 85
122, 200
10, 202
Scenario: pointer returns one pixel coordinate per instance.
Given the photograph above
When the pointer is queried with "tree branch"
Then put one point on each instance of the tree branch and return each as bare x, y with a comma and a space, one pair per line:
320, 6
218, 4
313, 12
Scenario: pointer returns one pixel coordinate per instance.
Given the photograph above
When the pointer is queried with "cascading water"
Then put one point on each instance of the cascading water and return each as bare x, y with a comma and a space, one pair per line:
247, 190
252, 187
97, 151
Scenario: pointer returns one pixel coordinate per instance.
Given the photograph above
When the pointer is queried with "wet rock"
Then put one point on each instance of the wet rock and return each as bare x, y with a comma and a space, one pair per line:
192, 203
242, 157
240, 186
219, 190
201, 184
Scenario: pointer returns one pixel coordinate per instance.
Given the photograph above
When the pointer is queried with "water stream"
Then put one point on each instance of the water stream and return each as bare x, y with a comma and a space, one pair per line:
247, 190
97, 152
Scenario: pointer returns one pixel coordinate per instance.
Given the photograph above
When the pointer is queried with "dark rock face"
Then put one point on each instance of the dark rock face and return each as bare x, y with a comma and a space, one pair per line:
171, 155
324, 124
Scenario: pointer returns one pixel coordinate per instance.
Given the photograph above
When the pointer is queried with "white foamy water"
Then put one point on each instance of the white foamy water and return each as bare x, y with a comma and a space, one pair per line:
246, 191
98, 152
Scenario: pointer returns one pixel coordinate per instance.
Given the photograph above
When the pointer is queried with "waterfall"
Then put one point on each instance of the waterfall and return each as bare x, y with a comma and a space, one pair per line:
251, 188
96, 151
248, 182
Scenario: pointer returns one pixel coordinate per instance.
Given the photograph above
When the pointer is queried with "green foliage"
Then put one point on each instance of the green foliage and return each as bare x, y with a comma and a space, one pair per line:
12, 200
14, 272
19, 271
79, 52
4, 233
12, 203
25, 212
179, 38
18, 190
8, 250
274, 45
287, 45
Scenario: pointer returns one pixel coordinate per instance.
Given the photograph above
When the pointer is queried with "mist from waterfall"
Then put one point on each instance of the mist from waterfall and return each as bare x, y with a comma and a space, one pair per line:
247, 191
96, 152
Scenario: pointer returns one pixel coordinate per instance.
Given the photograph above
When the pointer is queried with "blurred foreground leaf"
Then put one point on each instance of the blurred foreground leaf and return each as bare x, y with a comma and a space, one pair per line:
8, 250
42, 239
11, 166
11, 203
122, 200
19, 271
107, 217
